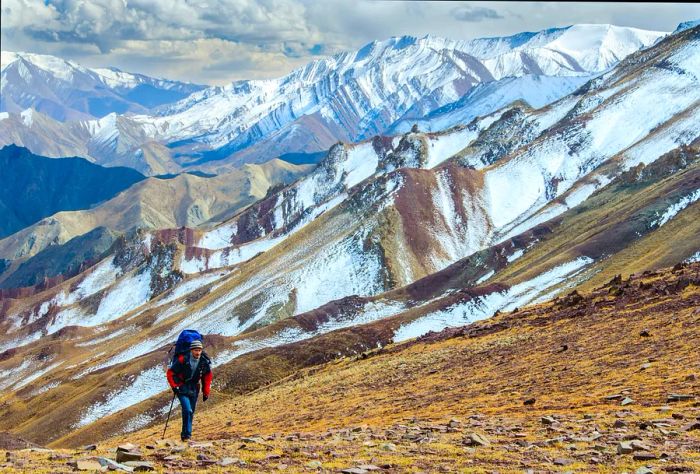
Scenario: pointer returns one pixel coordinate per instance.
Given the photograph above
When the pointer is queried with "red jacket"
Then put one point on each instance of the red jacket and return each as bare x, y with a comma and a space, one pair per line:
180, 373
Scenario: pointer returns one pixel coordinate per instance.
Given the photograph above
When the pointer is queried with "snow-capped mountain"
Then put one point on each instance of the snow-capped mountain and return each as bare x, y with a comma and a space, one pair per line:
65, 90
423, 230
352, 96
362, 93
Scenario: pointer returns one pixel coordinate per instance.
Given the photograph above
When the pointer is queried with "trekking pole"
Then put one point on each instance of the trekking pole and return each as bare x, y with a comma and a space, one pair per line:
169, 411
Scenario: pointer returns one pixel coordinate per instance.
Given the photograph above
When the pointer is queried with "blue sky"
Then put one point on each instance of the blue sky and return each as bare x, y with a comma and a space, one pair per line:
215, 42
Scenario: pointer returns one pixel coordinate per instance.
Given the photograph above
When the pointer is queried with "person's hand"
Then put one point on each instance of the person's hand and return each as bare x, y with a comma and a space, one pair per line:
205, 398
176, 390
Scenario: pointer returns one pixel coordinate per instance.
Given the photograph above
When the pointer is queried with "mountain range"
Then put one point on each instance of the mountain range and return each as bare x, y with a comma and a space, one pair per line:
383, 86
387, 239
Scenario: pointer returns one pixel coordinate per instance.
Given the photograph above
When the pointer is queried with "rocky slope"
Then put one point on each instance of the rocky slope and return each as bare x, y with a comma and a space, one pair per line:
602, 381
351, 96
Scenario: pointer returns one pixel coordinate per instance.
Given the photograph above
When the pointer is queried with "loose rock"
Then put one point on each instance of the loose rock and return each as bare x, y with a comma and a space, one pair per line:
88, 465
124, 456
140, 465
475, 439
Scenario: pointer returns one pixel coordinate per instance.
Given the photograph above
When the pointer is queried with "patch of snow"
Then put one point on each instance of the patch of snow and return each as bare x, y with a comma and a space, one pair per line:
45, 388
674, 209
373, 311
457, 239
103, 275
106, 337
137, 422
485, 277
26, 380
485, 306
9, 376
219, 238
128, 294
515, 255
187, 287
27, 117
445, 145
147, 241
19, 342
361, 163
693, 258
148, 383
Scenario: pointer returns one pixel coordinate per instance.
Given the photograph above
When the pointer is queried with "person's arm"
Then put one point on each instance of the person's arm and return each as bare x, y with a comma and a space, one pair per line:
170, 374
206, 383
171, 379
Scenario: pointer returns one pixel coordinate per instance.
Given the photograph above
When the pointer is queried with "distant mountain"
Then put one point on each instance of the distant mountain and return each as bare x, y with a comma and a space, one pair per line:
155, 203
65, 90
686, 25
384, 86
34, 187
58, 260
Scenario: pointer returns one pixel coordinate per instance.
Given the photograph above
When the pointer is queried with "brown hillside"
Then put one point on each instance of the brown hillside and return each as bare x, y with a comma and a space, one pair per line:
573, 359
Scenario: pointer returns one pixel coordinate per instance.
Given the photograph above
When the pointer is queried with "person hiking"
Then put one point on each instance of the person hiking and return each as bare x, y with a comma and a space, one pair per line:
184, 376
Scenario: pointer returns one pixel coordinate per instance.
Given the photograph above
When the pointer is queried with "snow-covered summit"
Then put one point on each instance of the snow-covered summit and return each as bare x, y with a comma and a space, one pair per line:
686, 25
351, 96
364, 91
66, 90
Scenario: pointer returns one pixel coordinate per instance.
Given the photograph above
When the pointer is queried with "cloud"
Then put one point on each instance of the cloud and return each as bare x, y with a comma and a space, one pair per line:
475, 14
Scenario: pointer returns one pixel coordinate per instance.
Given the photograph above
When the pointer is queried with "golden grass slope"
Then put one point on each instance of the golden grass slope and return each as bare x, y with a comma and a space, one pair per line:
546, 386
634, 338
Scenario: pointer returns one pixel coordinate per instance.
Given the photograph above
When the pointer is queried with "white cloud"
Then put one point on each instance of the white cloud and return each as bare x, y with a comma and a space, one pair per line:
218, 41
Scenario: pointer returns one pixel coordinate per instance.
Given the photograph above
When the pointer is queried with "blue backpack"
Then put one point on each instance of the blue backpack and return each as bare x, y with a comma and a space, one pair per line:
184, 340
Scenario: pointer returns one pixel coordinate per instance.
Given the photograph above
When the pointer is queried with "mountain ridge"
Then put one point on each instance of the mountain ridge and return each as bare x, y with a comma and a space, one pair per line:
348, 97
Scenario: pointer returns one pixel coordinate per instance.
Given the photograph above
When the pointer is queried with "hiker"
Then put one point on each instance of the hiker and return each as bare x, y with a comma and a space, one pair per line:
184, 375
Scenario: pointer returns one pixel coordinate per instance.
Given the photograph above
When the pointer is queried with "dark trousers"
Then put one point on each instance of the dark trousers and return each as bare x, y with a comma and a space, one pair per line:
188, 402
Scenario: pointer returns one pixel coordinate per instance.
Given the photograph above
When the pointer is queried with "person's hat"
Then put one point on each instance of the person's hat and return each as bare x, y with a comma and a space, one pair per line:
196, 345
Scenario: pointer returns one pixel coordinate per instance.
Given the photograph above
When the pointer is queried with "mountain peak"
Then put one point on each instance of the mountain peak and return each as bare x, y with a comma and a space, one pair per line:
686, 25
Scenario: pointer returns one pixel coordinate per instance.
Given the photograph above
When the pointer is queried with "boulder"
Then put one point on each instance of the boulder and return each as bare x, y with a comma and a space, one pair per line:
475, 439
228, 461
112, 465
624, 447
124, 456
127, 447
679, 397
548, 420
89, 465
644, 456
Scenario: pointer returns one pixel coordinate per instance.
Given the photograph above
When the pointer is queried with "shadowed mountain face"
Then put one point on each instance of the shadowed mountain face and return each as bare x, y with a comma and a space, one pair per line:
59, 260
153, 203
34, 187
